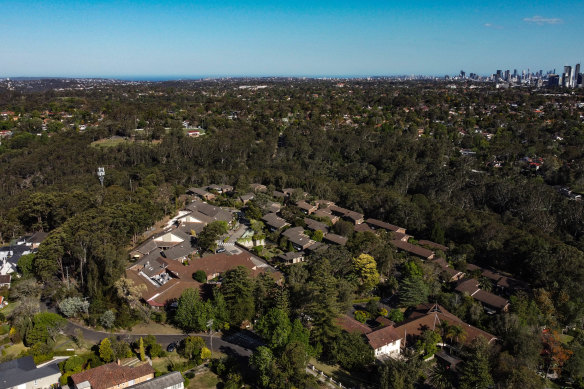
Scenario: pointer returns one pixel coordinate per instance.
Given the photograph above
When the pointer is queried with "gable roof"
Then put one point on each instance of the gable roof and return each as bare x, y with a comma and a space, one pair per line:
213, 212
349, 324
337, 239
386, 226
22, 370
428, 317
383, 336
432, 245
413, 249
112, 374
297, 236
165, 381
275, 221
315, 225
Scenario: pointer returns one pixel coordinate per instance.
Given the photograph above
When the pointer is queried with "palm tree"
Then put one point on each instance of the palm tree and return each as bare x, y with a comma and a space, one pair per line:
441, 377
458, 334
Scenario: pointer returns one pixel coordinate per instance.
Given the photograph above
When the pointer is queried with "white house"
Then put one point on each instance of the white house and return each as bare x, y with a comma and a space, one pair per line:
386, 342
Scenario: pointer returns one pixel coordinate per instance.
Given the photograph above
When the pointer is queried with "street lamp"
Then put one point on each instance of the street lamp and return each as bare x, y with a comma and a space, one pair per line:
210, 326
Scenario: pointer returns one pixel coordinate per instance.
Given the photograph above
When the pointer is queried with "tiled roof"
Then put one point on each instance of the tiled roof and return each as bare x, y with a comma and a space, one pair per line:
383, 337
349, 324
275, 221
384, 225
428, 317
433, 245
337, 239
112, 374
413, 249
470, 286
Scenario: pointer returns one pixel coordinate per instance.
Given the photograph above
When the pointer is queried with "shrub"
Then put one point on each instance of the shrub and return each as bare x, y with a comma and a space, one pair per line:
73, 306
107, 319
200, 276
362, 316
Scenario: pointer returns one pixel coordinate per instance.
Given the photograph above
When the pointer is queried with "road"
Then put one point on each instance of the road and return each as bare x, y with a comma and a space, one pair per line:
219, 344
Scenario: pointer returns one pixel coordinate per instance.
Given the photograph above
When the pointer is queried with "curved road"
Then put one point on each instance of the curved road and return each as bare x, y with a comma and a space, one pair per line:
215, 344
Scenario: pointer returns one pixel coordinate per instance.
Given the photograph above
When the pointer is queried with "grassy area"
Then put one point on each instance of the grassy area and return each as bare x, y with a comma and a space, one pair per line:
204, 380
161, 364
343, 376
108, 142
155, 328
13, 351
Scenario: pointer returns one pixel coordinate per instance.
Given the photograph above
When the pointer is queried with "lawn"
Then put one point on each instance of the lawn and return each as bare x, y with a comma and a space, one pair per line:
108, 142
343, 376
204, 380
13, 351
155, 328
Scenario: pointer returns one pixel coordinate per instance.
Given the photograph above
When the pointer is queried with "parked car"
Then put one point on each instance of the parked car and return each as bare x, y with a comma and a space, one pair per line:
221, 250
171, 347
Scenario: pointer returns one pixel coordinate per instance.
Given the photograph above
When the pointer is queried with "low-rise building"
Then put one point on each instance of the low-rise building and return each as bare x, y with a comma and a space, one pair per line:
22, 373
112, 376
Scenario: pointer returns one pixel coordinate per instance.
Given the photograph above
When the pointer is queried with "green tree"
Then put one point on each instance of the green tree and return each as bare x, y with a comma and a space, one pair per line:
191, 347
107, 319
441, 377
200, 276
105, 350
263, 360
73, 306
275, 328
238, 288
352, 352
427, 342
26, 265
475, 372
413, 291
207, 239
317, 236
45, 326
365, 268
192, 314
141, 350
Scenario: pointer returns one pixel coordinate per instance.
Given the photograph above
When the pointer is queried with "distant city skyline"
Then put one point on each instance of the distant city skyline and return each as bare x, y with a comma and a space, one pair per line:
156, 40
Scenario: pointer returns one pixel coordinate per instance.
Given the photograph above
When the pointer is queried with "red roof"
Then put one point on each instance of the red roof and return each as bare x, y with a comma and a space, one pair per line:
349, 324
383, 337
112, 374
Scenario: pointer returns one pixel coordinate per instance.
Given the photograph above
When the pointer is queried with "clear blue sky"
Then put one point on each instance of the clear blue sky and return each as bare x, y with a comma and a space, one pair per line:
317, 37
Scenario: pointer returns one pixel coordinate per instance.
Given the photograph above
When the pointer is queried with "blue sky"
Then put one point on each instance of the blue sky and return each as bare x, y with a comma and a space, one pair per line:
299, 38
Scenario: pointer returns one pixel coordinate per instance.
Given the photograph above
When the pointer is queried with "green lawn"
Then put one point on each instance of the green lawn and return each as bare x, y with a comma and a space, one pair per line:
108, 142
204, 380
13, 351
343, 376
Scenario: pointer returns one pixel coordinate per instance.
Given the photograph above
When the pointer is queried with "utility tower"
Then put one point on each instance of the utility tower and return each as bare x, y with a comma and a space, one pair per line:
101, 174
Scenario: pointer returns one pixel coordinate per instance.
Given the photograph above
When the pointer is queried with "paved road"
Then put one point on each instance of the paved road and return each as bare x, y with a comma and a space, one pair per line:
218, 343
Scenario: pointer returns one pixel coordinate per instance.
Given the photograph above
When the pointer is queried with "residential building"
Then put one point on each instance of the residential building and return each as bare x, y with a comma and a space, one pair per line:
112, 376
173, 380
22, 373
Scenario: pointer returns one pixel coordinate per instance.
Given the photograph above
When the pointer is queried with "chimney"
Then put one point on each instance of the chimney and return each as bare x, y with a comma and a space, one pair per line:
119, 363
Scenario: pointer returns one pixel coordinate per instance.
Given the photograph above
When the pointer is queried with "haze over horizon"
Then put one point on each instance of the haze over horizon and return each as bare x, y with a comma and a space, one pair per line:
152, 39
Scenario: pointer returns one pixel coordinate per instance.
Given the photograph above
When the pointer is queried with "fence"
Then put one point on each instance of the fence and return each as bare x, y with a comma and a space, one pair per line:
326, 377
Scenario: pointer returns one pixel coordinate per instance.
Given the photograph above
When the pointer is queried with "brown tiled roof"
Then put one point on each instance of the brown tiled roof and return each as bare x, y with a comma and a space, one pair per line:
384, 225
275, 221
363, 227
494, 276
413, 249
428, 317
212, 264
5, 279
512, 283
315, 225
470, 267
470, 286
382, 337
306, 206
349, 324
112, 374
337, 239
384, 321
433, 245
491, 299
